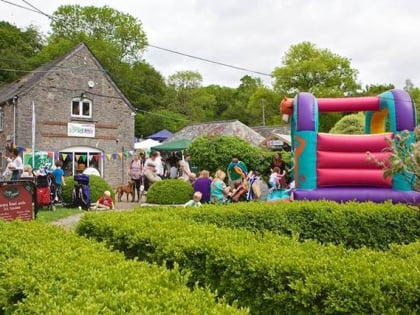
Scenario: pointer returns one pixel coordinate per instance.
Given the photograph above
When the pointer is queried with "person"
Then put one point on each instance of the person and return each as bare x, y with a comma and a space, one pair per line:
135, 171
27, 172
277, 161
150, 168
59, 181
173, 171
203, 185
16, 166
277, 179
172, 161
260, 188
237, 172
219, 191
195, 202
7, 173
160, 167
186, 174
105, 202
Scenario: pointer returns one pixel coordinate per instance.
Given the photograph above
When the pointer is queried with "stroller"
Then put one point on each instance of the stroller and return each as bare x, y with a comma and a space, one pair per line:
81, 191
44, 191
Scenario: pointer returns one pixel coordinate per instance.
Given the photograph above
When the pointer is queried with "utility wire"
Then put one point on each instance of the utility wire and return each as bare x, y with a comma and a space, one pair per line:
20, 6
208, 60
36, 10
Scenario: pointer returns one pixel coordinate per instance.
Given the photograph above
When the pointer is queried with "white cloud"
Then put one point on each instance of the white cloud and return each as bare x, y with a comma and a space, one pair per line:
380, 37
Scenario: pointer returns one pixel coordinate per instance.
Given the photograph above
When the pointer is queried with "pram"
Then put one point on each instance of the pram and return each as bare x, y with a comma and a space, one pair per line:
44, 191
81, 191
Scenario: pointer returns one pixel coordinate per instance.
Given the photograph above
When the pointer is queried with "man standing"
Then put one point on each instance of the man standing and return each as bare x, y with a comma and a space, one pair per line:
237, 172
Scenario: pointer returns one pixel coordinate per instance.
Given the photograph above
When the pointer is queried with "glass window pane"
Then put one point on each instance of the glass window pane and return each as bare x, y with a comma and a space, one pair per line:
75, 108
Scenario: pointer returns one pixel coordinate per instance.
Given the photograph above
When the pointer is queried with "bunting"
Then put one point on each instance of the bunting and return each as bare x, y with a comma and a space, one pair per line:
83, 157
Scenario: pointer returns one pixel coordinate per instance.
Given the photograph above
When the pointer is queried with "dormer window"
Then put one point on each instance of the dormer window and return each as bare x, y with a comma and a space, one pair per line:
81, 108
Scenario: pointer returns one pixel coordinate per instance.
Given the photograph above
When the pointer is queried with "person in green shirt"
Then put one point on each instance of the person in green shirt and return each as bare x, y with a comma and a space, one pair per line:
237, 172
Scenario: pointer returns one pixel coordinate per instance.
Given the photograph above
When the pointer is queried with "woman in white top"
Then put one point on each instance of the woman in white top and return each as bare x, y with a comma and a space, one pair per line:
186, 174
16, 166
150, 167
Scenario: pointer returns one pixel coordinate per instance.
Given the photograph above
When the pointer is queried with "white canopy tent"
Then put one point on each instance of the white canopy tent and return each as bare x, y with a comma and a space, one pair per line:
146, 144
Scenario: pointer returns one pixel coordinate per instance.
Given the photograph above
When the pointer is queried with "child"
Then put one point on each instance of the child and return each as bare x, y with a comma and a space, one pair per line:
277, 180
58, 174
105, 202
195, 202
27, 172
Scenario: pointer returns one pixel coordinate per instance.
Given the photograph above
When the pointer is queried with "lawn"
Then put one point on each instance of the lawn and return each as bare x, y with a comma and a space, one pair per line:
46, 216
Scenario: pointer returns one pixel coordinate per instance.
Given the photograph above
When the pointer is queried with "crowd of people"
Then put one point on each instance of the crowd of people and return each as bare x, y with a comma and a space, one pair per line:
234, 184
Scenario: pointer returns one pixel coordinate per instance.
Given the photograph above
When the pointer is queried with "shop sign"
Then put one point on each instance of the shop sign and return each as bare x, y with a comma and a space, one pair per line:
81, 130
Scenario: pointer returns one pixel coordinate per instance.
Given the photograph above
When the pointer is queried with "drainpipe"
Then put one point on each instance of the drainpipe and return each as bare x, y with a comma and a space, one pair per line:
15, 102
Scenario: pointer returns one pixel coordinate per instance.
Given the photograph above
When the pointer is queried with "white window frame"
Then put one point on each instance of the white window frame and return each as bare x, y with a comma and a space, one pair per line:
80, 104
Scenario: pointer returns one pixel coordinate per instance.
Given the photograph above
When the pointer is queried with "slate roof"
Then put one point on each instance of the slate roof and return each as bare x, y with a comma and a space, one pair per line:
224, 128
266, 131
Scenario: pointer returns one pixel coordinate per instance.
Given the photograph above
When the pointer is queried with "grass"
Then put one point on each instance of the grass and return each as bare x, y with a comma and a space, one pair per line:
46, 216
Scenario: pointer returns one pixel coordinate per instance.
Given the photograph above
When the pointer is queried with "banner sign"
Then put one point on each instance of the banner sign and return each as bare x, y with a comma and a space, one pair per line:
15, 202
81, 130
42, 159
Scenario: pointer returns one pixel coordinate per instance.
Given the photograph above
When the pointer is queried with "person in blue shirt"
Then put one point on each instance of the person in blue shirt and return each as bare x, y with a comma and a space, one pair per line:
59, 181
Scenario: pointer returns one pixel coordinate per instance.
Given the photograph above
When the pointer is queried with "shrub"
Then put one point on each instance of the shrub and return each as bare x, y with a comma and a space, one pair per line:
170, 191
97, 187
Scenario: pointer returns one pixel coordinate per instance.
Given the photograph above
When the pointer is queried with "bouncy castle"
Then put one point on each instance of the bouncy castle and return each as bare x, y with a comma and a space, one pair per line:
336, 167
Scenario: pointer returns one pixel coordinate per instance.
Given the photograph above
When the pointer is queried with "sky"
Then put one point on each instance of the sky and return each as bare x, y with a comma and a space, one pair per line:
381, 38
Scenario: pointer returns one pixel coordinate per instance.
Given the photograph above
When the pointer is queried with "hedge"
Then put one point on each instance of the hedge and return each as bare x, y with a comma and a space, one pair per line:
355, 225
268, 273
45, 270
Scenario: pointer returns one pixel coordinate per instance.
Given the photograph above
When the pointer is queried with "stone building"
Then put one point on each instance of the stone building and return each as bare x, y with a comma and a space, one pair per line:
69, 109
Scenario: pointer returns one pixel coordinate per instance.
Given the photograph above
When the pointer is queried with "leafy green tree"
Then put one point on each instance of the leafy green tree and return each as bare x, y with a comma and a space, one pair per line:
224, 97
16, 48
213, 153
414, 93
307, 68
404, 158
187, 96
148, 123
239, 109
376, 89
351, 124
263, 107
100, 24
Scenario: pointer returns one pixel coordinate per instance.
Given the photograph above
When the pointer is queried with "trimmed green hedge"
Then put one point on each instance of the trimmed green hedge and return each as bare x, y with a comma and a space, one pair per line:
355, 225
169, 192
268, 273
45, 270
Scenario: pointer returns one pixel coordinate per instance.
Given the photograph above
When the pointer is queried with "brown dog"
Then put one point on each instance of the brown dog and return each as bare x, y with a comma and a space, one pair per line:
125, 189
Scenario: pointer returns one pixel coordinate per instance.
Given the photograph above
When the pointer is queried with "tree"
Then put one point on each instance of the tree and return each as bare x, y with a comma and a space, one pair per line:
263, 107
224, 97
16, 48
376, 89
352, 124
151, 122
213, 153
122, 31
414, 93
239, 108
187, 97
404, 159
307, 68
